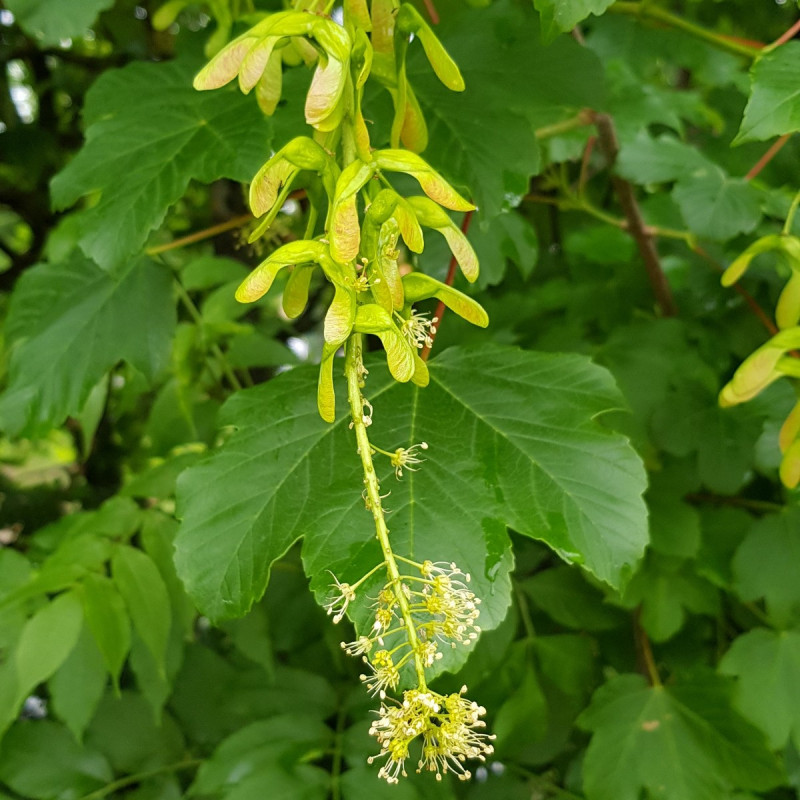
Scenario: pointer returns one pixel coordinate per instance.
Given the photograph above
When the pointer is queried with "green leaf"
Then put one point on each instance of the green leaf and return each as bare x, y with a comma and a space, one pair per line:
523, 716
723, 530
47, 639
77, 686
674, 524
41, 760
360, 784
208, 272
213, 698
148, 133
561, 16
501, 423
69, 324
506, 237
767, 664
52, 21
286, 740
108, 621
765, 565
563, 594
647, 159
678, 743
155, 681
666, 588
145, 595
515, 83
716, 206
568, 660
772, 108
158, 479
125, 732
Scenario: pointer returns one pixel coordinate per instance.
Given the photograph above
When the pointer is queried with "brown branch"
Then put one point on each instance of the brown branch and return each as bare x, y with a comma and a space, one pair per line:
644, 651
786, 35
762, 315
432, 12
451, 276
636, 226
198, 236
767, 157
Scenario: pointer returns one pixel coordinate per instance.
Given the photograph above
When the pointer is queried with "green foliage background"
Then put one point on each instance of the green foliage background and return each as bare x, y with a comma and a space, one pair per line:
169, 494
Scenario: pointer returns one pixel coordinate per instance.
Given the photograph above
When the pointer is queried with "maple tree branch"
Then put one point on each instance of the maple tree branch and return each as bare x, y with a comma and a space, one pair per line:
786, 35
652, 12
583, 118
767, 157
637, 228
752, 303
644, 649
430, 7
198, 236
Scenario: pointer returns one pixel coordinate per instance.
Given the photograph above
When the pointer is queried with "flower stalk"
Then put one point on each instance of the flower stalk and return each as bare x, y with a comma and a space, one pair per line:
354, 372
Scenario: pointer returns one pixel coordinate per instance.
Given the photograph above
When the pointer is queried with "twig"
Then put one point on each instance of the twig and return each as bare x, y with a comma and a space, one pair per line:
129, 780
198, 236
767, 157
786, 35
762, 315
583, 118
195, 314
646, 10
451, 276
761, 506
430, 7
644, 649
636, 226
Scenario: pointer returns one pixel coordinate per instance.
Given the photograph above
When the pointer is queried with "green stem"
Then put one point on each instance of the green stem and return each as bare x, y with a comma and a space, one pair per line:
653, 12
758, 614
524, 612
198, 236
580, 120
195, 314
129, 780
543, 784
787, 226
353, 372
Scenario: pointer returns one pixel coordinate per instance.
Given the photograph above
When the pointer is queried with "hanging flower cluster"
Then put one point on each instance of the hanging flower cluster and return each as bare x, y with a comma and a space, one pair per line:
443, 612
356, 223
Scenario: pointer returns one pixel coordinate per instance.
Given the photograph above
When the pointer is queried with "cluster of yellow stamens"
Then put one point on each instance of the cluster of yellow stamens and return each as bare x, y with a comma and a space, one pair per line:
443, 610
449, 727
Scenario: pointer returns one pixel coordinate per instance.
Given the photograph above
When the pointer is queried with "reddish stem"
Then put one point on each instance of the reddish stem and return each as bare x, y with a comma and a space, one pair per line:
767, 157
789, 34
739, 40
762, 315
432, 12
451, 276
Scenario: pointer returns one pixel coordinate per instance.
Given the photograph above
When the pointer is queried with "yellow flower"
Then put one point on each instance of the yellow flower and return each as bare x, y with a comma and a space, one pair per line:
450, 728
